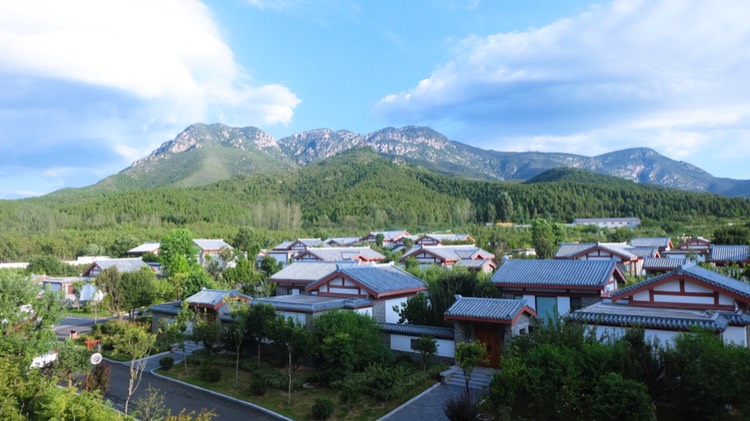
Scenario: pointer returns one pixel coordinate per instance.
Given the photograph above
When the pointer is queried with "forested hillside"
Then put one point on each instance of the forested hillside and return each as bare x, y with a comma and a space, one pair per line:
351, 193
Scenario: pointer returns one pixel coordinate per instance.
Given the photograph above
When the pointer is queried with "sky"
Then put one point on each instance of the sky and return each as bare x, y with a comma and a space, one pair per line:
89, 86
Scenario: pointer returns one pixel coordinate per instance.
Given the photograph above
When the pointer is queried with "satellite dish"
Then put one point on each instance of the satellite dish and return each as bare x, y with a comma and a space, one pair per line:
96, 358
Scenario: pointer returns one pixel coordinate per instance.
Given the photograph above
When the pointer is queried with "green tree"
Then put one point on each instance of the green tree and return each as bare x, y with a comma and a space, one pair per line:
139, 289
121, 245
196, 280
239, 331
363, 333
734, 234
135, 342
179, 242
177, 329
468, 355
71, 359
48, 265
259, 324
269, 265
426, 346
109, 281
297, 340
543, 238
207, 330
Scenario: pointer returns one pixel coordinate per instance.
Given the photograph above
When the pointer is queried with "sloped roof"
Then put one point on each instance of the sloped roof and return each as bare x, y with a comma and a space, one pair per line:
284, 246
598, 220
644, 252
490, 309
447, 237
144, 248
345, 241
302, 303
653, 263
651, 317
457, 252
571, 250
555, 273
301, 272
650, 242
211, 244
335, 254
475, 263
418, 330
130, 264
384, 279
730, 253
708, 276
213, 297
389, 235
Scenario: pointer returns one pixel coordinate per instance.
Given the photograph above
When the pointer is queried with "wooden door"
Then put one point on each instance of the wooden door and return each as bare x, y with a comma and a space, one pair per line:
490, 336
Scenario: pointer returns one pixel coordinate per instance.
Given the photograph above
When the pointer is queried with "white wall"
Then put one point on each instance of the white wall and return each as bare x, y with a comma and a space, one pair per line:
297, 317
735, 335
367, 311
390, 315
445, 347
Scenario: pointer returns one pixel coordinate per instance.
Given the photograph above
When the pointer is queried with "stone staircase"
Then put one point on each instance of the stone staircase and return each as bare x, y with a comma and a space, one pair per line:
480, 378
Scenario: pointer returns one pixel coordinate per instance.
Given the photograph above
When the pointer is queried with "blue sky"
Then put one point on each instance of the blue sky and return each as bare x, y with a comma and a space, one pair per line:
88, 86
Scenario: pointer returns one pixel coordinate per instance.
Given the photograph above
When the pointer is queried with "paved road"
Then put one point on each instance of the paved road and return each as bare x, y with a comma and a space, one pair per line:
178, 397
79, 324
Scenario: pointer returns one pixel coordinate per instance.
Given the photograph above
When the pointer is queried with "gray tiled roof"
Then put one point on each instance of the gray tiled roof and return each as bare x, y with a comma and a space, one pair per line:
645, 252
654, 318
213, 296
708, 276
597, 220
418, 330
382, 279
485, 308
306, 272
211, 244
336, 254
650, 242
568, 250
167, 308
144, 248
458, 252
389, 235
653, 263
730, 253
342, 241
557, 273
474, 263
446, 237
311, 303
123, 265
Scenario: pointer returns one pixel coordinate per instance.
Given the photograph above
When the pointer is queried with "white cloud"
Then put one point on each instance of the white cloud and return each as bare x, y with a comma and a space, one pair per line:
121, 75
668, 74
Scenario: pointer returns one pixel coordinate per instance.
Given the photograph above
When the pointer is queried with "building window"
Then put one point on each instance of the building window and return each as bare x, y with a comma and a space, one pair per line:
518, 297
546, 308
413, 344
575, 304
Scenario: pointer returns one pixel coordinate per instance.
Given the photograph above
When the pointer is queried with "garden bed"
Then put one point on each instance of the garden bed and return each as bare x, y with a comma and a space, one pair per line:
303, 399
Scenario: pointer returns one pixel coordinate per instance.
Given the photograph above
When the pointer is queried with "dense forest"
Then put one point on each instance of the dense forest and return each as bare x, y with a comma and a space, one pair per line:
351, 194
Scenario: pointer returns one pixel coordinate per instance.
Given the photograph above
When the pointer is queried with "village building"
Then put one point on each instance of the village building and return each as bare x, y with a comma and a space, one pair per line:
294, 278
341, 241
491, 321
722, 255
340, 254
608, 222
210, 302
469, 256
285, 252
627, 260
443, 239
686, 298
656, 266
392, 239
130, 264
661, 243
557, 287
145, 248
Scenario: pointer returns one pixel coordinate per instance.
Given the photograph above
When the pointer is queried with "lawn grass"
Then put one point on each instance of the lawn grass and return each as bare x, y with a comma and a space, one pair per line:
302, 399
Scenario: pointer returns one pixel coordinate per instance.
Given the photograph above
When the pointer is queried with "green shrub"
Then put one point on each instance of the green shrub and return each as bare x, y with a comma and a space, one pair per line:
166, 363
616, 396
323, 409
210, 373
460, 408
258, 386
383, 383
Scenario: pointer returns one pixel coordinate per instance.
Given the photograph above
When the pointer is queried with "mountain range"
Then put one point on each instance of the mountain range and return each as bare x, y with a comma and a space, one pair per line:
203, 154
